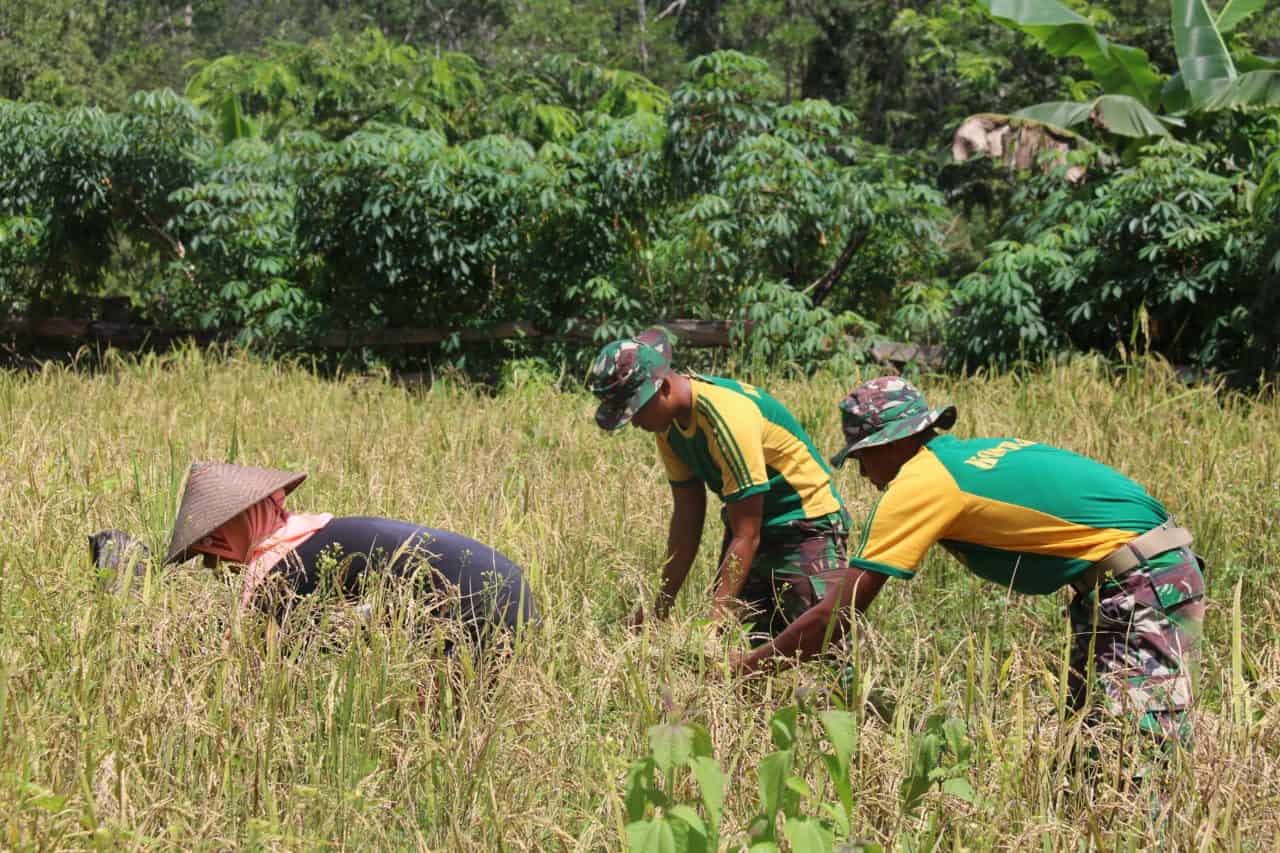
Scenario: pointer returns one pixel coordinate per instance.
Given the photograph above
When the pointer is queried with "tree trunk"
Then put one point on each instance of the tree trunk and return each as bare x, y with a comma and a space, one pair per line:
642, 20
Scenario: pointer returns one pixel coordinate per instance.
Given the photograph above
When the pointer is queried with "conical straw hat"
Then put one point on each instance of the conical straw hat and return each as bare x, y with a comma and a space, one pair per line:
217, 492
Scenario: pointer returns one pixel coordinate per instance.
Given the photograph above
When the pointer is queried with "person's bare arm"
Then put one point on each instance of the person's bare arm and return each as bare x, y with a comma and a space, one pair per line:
745, 520
688, 512
826, 620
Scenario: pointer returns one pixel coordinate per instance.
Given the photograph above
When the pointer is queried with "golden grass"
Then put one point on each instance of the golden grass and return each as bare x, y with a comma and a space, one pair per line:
125, 722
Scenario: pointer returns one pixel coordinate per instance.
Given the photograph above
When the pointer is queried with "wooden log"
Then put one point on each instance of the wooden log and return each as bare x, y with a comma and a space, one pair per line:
689, 332
60, 327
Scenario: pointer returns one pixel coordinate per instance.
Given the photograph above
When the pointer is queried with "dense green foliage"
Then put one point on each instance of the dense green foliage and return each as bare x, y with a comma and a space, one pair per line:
1175, 253
540, 162
463, 201
1134, 99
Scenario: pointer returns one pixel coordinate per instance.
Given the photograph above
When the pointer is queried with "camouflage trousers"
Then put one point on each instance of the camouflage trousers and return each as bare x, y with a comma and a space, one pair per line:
1141, 632
793, 565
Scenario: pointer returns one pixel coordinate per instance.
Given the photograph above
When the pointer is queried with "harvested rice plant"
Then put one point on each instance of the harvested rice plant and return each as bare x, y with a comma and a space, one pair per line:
148, 713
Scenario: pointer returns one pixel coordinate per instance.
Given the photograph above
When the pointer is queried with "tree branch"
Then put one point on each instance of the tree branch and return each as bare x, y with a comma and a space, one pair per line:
821, 288
676, 7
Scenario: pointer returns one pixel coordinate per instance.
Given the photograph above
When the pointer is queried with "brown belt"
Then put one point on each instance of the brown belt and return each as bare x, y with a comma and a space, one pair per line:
1132, 554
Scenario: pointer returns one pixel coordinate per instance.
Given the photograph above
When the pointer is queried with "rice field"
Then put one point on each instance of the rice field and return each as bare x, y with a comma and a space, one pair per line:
156, 717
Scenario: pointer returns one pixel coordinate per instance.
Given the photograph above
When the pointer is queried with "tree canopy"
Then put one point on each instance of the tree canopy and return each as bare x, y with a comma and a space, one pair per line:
305, 166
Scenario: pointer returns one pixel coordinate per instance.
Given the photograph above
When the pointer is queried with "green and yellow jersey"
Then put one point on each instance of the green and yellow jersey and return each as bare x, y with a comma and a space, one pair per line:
1024, 515
742, 442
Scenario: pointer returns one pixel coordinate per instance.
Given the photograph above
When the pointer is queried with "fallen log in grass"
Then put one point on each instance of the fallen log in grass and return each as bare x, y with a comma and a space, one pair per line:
690, 332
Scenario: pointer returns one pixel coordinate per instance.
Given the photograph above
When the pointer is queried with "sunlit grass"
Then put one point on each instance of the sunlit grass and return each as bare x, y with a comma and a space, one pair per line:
124, 720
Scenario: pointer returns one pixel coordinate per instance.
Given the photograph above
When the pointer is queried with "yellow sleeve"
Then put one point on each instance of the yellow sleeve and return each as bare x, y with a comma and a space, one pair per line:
678, 473
914, 512
735, 433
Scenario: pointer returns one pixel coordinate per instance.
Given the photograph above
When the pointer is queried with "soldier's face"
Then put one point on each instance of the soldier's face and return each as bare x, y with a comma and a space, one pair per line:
879, 464
655, 415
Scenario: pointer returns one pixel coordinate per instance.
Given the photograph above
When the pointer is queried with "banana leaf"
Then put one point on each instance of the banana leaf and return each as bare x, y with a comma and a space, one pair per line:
1121, 70
1175, 98
1125, 116
1255, 89
1267, 193
1236, 11
1058, 114
1253, 62
1118, 114
233, 124
1203, 60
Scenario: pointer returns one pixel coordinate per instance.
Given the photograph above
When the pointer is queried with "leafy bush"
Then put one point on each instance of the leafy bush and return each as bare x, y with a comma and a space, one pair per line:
656, 821
20, 238
1162, 254
359, 184
783, 210
241, 268
940, 755
1001, 315
774, 324
58, 174
726, 97
409, 230
339, 85
1264, 331
90, 179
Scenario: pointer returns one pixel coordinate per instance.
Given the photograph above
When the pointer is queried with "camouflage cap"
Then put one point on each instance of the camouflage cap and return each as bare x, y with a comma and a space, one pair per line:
885, 410
627, 373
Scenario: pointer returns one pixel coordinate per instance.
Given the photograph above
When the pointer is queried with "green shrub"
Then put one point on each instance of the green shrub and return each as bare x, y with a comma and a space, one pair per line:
91, 180
812, 818
241, 268
1161, 254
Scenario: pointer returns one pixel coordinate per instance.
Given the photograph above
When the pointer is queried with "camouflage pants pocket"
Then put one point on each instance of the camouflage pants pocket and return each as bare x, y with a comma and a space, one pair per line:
791, 571
1141, 633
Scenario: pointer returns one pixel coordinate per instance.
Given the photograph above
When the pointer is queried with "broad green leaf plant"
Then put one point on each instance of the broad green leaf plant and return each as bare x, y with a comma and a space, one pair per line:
791, 814
1136, 100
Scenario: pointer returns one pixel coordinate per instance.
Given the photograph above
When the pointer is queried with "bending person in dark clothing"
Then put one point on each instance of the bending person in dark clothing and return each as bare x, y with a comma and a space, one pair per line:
491, 587
236, 514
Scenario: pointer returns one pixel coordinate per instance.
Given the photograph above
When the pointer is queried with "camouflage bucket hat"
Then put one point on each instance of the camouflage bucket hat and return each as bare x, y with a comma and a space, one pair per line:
627, 373
885, 410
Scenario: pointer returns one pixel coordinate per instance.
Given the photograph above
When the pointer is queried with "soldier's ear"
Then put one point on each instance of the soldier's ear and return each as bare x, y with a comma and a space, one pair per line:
668, 386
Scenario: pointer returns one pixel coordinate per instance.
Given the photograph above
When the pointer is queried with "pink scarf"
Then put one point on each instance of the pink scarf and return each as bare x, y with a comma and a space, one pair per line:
235, 539
259, 538
296, 529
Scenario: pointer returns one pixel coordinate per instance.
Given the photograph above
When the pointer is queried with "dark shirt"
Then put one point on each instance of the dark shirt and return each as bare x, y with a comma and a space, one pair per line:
491, 588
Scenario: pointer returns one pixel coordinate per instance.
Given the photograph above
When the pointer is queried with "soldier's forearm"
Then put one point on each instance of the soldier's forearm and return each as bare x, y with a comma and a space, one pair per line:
733, 572
802, 639
682, 547
825, 621
674, 572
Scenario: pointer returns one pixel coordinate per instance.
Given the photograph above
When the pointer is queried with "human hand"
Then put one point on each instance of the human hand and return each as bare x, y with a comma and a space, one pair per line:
742, 664
738, 665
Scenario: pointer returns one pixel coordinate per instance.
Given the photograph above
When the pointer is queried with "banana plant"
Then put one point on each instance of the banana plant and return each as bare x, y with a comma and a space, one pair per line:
1137, 101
